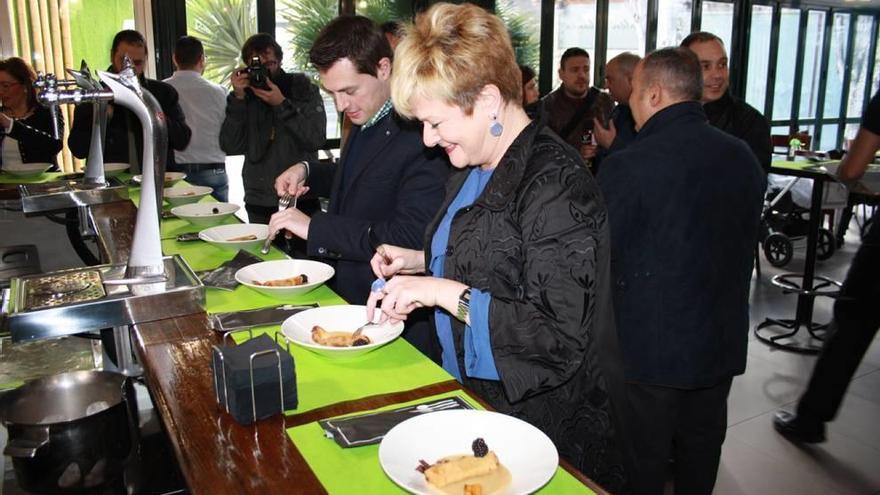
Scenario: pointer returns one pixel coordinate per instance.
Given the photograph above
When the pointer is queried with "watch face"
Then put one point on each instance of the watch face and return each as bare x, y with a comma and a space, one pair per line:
464, 305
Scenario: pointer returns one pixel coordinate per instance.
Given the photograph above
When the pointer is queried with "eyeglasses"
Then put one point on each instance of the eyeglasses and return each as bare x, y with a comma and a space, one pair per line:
7, 85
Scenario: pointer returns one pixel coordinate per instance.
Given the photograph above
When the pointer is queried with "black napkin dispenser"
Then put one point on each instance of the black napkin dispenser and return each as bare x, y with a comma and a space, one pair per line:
234, 385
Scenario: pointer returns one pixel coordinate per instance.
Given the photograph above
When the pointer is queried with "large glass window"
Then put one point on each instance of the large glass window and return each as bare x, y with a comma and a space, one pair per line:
297, 23
859, 71
812, 64
829, 138
222, 26
673, 21
836, 66
627, 26
575, 26
876, 84
718, 20
759, 54
523, 21
786, 55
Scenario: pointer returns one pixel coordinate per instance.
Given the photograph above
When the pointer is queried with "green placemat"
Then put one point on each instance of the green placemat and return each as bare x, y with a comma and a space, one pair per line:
803, 165
357, 470
323, 381
7, 178
172, 227
203, 256
242, 298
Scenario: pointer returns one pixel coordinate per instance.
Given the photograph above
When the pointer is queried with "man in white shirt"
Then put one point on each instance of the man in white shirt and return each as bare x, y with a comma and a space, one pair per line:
204, 105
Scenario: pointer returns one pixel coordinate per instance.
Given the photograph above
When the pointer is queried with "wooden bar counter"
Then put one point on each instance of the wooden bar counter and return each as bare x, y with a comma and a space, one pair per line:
216, 454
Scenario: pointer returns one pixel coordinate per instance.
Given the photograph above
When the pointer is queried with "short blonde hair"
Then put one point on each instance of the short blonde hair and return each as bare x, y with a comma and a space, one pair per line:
450, 54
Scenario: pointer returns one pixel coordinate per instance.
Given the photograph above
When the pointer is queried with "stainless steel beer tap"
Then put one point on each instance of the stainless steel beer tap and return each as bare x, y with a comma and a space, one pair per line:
146, 249
94, 173
51, 96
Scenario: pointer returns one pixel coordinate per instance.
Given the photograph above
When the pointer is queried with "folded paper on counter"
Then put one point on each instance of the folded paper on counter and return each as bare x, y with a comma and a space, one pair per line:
223, 277
368, 429
238, 320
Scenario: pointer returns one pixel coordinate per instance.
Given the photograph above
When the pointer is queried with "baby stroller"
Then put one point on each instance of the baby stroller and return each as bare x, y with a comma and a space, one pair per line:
786, 219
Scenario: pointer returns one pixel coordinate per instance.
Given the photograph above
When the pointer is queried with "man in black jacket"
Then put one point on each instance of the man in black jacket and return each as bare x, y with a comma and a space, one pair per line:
684, 201
274, 126
124, 140
621, 128
387, 185
725, 112
570, 110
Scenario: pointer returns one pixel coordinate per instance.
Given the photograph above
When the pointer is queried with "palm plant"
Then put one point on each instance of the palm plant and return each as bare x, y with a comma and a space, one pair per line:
305, 18
522, 33
222, 26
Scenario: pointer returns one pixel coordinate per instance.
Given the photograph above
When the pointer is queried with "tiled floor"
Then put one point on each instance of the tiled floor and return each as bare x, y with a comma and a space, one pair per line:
755, 459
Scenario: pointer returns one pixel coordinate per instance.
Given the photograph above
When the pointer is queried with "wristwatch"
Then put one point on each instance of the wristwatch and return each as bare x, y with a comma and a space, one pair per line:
464, 305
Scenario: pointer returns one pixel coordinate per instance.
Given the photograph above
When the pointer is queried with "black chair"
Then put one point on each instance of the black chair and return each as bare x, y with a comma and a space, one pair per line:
16, 261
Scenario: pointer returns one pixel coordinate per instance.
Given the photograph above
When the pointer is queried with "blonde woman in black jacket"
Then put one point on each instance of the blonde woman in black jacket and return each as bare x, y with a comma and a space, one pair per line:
516, 260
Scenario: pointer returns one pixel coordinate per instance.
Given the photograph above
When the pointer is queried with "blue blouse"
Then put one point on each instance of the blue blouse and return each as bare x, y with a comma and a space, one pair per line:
478, 359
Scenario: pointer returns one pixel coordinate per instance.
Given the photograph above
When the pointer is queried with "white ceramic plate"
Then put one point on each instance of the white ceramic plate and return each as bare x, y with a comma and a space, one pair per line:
115, 168
220, 236
27, 169
525, 450
298, 328
317, 274
177, 196
171, 178
205, 214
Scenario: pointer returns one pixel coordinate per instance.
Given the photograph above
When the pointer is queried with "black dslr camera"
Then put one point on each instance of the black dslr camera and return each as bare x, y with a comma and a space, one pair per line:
257, 73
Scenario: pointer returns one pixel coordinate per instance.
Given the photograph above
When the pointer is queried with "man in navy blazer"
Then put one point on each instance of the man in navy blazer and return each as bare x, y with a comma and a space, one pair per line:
684, 201
387, 185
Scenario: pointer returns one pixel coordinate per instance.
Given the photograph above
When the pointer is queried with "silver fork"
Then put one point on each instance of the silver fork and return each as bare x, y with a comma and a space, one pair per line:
283, 203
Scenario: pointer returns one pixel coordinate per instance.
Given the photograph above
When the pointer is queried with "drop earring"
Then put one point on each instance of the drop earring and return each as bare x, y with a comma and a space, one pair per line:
495, 128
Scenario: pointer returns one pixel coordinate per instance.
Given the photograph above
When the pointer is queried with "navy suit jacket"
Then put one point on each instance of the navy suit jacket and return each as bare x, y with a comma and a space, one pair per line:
684, 202
393, 187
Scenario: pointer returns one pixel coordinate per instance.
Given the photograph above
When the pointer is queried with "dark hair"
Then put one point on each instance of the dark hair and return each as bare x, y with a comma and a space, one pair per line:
392, 27
699, 37
527, 74
19, 70
572, 52
129, 36
259, 43
353, 37
188, 51
677, 70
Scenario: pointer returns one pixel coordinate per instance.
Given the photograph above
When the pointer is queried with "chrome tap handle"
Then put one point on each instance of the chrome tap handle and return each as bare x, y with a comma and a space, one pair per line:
48, 97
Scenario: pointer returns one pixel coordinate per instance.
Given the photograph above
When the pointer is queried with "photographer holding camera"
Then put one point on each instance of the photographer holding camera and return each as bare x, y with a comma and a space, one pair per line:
274, 118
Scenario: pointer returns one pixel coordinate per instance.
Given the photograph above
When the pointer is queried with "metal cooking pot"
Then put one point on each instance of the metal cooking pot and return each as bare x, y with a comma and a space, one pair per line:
68, 433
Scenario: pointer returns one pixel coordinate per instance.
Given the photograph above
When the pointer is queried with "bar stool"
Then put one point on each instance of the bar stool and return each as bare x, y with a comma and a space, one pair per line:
792, 283
16, 261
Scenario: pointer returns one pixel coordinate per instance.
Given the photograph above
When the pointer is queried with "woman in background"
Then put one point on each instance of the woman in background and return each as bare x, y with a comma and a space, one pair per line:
25, 126
517, 263
531, 97
530, 86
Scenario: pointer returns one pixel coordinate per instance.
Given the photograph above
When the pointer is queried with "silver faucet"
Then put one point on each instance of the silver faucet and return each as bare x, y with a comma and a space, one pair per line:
145, 263
83, 91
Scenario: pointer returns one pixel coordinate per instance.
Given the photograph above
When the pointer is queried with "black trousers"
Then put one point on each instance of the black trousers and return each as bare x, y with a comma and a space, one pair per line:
687, 426
856, 321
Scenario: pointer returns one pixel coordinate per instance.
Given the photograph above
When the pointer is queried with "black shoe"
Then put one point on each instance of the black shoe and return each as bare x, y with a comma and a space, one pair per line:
799, 429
